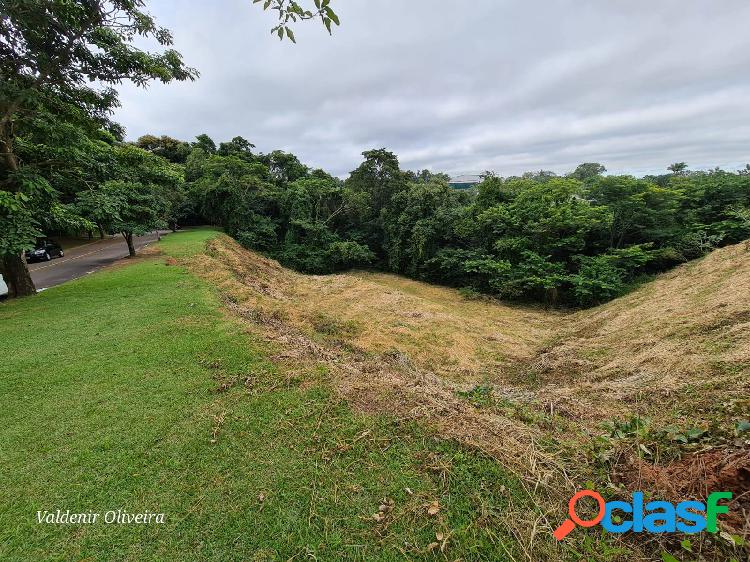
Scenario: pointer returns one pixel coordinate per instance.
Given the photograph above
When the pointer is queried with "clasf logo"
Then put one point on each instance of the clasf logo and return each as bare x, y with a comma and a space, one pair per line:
654, 517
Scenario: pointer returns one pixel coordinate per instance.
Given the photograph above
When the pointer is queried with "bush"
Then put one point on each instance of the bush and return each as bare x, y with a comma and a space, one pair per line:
347, 254
597, 280
698, 243
258, 234
325, 258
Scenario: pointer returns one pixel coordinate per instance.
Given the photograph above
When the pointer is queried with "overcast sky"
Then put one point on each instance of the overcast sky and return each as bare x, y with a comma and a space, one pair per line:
465, 86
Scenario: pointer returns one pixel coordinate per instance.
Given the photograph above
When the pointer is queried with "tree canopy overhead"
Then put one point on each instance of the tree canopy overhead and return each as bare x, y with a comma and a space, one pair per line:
60, 48
60, 61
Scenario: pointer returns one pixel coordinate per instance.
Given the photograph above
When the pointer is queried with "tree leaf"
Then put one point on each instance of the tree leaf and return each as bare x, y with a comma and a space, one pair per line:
332, 15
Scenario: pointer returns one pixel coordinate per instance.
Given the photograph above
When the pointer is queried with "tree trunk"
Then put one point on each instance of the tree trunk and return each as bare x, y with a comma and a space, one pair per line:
552, 296
101, 231
6, 145
129, 239
17, 276
13, 266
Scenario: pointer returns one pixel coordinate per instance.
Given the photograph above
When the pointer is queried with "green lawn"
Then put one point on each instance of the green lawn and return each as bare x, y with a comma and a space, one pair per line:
110, 400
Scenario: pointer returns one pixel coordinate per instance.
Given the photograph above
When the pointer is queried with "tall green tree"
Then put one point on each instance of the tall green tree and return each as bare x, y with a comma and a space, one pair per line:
238, 146
165, 146
285, 167
369, 190
587, 171
138, 209
641, 211
678, 168
50, 54
205, 143
419, 221
312, 208
143, 192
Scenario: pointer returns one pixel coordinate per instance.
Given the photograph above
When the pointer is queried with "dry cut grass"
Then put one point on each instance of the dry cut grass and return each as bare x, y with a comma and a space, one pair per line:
400, 348
681, 340
676, 349
395, 346
438, 329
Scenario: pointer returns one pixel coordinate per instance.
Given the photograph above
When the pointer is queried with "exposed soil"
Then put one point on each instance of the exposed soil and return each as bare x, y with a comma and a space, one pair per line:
696, 476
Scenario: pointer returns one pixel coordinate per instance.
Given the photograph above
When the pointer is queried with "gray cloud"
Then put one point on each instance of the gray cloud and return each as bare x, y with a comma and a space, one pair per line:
466, 86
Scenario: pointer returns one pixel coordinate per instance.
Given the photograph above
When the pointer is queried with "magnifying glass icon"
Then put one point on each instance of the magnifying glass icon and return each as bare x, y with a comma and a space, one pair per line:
569, 524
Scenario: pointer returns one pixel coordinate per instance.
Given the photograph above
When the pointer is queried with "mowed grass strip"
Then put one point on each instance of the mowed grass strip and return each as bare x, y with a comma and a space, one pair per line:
110, 401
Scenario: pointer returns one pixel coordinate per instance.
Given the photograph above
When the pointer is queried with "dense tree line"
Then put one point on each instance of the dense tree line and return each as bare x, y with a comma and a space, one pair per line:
580, 239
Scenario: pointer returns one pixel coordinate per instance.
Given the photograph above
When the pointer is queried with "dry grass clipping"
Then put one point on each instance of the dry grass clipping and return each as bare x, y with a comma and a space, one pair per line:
688, 328
373, 369
404, 348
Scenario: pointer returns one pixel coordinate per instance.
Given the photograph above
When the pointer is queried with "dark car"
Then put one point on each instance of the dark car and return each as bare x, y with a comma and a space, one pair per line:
44, 250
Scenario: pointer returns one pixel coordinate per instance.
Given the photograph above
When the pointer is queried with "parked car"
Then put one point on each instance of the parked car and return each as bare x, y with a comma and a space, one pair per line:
44, 250
3, 287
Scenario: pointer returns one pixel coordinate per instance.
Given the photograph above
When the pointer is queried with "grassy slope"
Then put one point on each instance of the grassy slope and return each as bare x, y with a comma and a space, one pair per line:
685, 333
650, 353
683, 338
460, 339
110, 400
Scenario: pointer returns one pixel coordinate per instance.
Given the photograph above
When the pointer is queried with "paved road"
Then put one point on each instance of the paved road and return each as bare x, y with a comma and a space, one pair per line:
83, 260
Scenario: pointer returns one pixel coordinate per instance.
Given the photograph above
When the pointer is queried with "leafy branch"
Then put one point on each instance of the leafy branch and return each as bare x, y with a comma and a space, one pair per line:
291, 11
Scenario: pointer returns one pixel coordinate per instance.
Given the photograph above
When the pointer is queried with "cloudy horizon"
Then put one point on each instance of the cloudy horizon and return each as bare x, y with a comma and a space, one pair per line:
502, 86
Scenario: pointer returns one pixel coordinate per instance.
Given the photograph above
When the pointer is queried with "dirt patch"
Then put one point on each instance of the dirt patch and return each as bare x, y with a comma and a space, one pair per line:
695, 477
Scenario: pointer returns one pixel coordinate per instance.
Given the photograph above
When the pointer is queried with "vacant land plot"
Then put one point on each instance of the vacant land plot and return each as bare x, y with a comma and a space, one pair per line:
271, 415
561, 399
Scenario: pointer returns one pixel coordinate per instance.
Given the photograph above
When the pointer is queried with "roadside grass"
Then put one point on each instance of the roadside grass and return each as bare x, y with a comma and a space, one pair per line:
114, 398
187, 243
